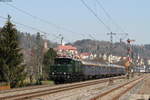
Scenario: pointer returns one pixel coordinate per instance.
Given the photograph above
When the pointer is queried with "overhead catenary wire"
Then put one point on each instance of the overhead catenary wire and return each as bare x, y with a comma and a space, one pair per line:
40, 19
54, 25
59, 27
27, 26
3, 17
109, 16
113, 21
98, 18
33, 28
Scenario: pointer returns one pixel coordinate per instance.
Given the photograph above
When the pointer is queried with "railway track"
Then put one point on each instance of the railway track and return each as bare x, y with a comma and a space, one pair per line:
24, 88
47, 91
117, 92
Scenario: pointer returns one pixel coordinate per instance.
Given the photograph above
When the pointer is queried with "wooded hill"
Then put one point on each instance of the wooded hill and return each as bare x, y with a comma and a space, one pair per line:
119, 49
94, 46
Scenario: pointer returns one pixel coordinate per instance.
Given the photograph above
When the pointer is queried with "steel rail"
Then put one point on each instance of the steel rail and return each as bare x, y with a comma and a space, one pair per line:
23, 88
127, 90
117, 88
56, 90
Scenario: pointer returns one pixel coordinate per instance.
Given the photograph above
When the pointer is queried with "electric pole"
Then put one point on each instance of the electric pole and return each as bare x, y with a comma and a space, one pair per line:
9, 17
39, 56
61, 39
111, 43
111, 36
110, 53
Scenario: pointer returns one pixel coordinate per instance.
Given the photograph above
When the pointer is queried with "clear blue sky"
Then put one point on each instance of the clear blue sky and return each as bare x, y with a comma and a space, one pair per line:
132, 15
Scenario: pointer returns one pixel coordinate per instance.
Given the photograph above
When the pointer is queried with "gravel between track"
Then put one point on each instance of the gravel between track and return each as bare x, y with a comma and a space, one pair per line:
84, 93
39, 89
139, 92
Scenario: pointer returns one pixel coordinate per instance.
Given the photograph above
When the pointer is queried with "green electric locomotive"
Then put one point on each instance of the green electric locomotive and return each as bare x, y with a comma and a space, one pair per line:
70, 70
66, 70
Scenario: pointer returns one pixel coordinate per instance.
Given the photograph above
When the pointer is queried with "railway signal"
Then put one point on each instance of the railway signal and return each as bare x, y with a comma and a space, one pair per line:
129, 58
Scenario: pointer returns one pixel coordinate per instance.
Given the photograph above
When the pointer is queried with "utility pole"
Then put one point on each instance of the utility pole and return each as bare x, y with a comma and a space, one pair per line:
9, 17
110, 53
111, 36
111, 44
39, 54
61, 39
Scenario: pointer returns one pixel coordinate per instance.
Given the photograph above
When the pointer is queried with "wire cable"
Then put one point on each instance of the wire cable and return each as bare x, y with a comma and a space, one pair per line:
98, 18
33, 28
113, 21
108, 15
40, 19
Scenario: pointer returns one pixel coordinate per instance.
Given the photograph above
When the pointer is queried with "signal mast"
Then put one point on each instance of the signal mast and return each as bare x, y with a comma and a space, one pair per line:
129, 58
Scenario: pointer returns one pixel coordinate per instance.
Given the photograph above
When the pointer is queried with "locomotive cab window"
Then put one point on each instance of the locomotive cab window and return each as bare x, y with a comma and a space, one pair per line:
63, 61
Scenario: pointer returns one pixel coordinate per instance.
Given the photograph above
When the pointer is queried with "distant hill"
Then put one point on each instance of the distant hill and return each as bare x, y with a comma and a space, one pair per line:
119, 49
94, 46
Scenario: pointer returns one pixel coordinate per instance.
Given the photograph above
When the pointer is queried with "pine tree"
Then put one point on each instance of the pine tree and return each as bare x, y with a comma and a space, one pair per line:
48, 61
11, 58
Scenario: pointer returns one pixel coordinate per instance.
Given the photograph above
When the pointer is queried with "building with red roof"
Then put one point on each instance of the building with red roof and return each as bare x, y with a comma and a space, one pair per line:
86, 55
66, 47
66, 51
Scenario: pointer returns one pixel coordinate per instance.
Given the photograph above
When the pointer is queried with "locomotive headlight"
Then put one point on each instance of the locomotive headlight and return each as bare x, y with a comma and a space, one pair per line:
64, 73
68, 76
53, 73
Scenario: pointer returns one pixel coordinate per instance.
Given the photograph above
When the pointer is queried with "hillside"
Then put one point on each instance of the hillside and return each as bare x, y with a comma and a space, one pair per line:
119, 49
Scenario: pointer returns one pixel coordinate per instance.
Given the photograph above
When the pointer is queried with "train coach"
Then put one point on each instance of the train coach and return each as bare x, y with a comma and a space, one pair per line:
70, 70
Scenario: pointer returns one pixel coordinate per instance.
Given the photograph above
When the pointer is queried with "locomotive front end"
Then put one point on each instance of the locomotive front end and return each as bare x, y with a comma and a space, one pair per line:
62, 70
